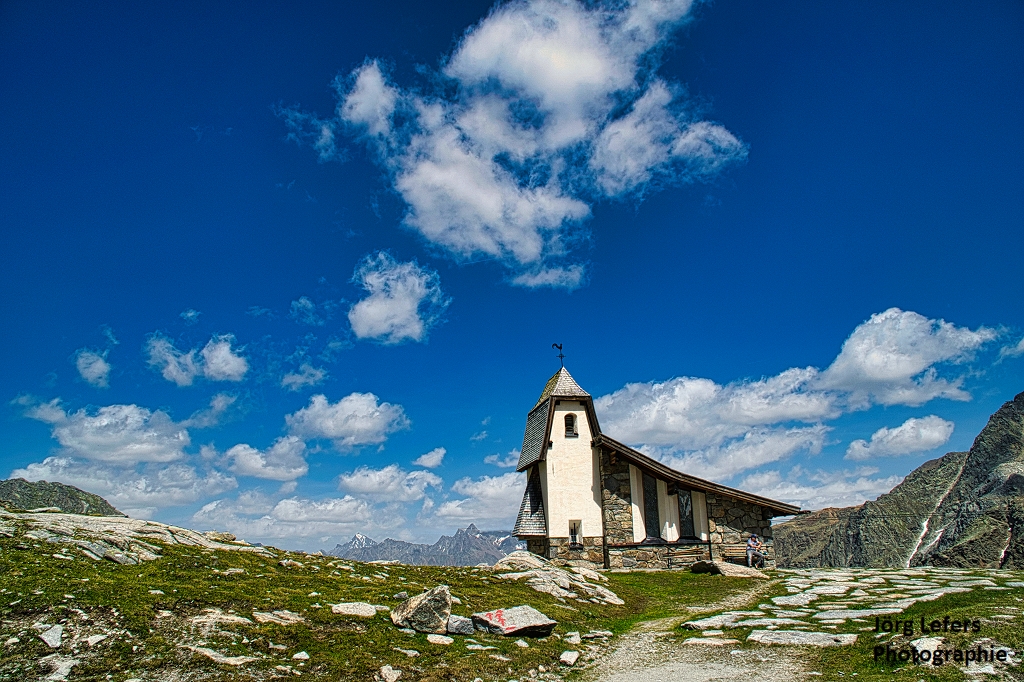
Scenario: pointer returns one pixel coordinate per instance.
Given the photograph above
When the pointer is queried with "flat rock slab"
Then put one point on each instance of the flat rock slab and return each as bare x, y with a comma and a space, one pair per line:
218, 657
440, 639
354, 608
569, 657
389, 674
277, 617
724, 568
801, 638
846, 614
52, 636
711, 641
521, 621
427, 612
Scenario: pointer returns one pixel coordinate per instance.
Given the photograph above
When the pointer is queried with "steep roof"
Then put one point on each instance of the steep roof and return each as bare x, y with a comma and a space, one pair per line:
561, 385
531, 519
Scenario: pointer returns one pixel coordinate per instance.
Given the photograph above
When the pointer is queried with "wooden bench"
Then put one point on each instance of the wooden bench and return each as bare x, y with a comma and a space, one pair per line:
733, 553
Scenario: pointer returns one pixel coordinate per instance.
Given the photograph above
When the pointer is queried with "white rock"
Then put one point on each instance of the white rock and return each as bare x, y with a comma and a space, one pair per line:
93, 640
573, 638
278, 617
389, 674
301, 656
218, 657
439, 639
52, 636
711, 641
354, 608
800, 638
411, 653
521, 643
569, 657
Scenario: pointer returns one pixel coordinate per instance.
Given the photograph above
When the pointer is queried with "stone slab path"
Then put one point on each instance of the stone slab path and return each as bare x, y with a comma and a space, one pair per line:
818, 603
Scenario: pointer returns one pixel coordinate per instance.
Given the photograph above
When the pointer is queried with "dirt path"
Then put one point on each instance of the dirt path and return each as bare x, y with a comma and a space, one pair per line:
652, 653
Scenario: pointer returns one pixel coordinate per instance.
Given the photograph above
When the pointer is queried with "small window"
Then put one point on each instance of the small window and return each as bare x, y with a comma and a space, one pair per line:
575, 534
570, 426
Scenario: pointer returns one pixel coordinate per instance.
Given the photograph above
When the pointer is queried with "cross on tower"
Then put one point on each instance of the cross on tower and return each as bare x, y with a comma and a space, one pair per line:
561, 356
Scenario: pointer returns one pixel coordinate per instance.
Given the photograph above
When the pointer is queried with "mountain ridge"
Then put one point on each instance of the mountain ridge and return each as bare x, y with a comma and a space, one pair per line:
468, 547
28, 495
964, 509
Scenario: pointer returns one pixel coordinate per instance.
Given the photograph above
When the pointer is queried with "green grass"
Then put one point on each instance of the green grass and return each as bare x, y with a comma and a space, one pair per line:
147, 630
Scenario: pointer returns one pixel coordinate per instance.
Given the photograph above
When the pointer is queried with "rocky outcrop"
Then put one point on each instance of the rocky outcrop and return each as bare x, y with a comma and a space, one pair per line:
964, 509
19, 494
519, 621
572, 582
468, 547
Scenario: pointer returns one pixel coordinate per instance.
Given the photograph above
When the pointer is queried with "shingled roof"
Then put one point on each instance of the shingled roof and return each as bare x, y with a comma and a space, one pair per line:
561, 385
531, 519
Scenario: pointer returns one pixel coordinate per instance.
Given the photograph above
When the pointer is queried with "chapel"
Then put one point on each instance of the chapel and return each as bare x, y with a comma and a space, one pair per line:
592, 500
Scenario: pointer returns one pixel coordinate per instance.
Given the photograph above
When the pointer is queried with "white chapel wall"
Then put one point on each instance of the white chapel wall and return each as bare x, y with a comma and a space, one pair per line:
572, 481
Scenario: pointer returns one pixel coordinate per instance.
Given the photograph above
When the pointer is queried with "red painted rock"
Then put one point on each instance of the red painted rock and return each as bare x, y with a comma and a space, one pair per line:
520, 621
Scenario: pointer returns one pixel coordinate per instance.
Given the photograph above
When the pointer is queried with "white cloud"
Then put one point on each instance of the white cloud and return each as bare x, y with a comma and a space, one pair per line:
283, 461
177, 366
217, 361
1012, 351
357, 419
432, 459
220, 362
191, 316
258, 517
913, 435
93, 367
492, 499
889, 359
480, 435
720, 430
211, 416
549, 107
505, 462
821, 489
137, 493
308, 375
404, 301
390, 484
305, 311
119, 434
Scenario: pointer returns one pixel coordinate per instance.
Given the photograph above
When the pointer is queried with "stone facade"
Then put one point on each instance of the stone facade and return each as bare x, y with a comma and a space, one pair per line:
590, 554
731, 523
616, 501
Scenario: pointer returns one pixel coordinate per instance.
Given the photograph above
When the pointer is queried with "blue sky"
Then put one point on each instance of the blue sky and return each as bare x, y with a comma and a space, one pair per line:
295, 270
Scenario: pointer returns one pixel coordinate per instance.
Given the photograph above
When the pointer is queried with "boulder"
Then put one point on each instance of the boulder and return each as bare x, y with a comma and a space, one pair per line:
521, 621
724, 568
460, 625
427, 612
389, 674
354, 608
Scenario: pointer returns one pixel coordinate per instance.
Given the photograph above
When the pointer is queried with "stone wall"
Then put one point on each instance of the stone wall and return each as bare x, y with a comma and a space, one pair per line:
591, 554
616, 500
731, 522
537, 545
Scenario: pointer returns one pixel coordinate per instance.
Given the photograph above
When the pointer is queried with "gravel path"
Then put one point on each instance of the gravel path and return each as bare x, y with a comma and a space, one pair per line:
652, 653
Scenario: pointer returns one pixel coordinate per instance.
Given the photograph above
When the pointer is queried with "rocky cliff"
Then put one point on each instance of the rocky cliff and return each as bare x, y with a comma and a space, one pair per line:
468, 547
17, 493
963, 509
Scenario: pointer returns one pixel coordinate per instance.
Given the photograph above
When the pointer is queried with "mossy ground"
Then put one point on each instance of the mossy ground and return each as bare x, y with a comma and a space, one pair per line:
148, 631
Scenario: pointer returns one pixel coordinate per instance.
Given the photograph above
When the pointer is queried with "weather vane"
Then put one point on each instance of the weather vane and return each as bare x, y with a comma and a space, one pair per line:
561, 356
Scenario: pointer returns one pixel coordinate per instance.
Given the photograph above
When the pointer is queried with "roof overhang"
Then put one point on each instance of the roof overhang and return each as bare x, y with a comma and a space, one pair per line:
691, 482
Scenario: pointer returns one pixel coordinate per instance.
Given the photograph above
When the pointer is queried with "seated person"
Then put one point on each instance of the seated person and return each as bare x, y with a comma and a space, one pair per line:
755, 552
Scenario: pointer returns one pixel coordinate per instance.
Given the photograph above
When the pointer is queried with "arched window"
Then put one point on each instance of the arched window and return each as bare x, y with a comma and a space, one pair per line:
570, 426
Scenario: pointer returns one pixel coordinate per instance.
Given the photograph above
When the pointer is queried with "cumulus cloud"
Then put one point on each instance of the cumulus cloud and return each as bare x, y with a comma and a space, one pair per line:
308, 375
93, 367
432, 459
136, 493
285, 460
217, 360
543, 108
260, 517
891, 358
404, 300
1013, 351
913, 435
719, 431
492, 499
820, 489
357, 419
504, 461
117, 434
390, 484
220, 362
